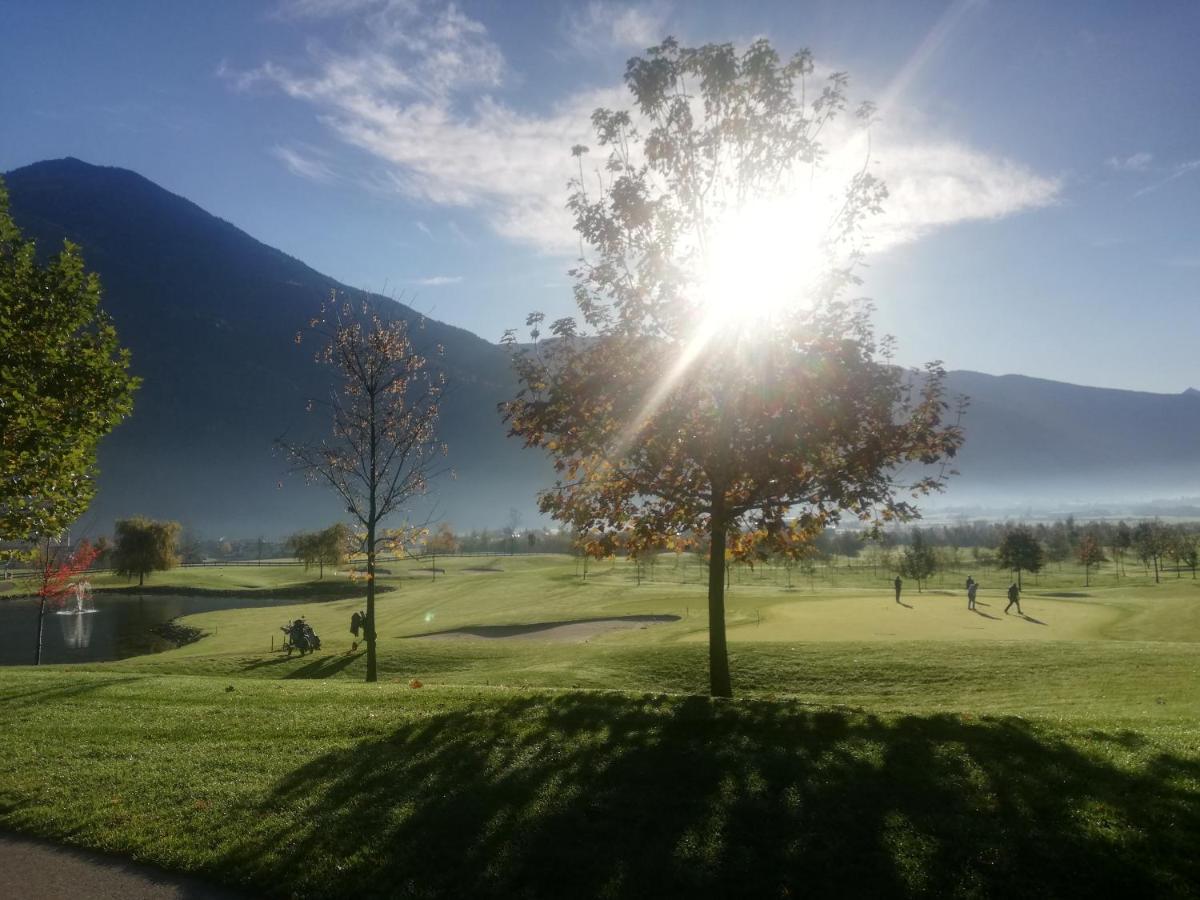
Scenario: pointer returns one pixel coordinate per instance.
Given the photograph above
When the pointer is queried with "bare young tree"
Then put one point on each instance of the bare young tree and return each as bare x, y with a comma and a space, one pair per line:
384, 450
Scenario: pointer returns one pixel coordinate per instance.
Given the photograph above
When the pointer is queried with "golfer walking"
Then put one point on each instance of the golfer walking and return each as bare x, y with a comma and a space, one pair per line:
1014, 598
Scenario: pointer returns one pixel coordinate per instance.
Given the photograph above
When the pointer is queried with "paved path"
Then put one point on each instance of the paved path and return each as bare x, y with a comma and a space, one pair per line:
35, 870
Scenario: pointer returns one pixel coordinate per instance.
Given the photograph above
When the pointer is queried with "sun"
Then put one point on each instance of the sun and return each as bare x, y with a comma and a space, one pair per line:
764, 260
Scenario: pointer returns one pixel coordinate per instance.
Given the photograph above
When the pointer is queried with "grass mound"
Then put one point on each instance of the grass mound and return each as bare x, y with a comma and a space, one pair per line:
315, 789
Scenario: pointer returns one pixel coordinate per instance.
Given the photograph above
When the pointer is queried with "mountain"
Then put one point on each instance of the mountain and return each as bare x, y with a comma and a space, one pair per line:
1031, 440
211, 314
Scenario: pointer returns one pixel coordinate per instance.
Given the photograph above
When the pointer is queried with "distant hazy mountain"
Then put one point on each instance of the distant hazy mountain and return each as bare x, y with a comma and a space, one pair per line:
210, 315
1030, 440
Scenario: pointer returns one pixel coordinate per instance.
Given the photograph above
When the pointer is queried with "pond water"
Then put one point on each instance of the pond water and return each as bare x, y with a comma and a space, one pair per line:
120, 626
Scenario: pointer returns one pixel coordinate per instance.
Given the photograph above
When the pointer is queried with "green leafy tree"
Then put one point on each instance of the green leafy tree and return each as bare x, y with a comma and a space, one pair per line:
443, 542
703, 394
1020, 551
1058, 546
1182, 548
64, 384
327, 547
1187, 549
1119, 541
920, 560
384, 407
142, 546
1091, 553
1151, 542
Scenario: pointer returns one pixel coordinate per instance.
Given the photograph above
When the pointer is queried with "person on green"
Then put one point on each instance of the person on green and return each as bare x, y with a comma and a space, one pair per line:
972, 587
898, 585
1014, 598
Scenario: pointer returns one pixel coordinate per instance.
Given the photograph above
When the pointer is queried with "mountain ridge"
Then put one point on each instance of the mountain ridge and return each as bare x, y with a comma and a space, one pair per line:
210, 314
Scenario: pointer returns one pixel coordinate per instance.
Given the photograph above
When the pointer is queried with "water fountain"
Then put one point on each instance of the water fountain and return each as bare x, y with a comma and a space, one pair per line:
75, 618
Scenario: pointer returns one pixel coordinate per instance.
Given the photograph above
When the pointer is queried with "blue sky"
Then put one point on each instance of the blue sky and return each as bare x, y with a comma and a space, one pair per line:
1044, 158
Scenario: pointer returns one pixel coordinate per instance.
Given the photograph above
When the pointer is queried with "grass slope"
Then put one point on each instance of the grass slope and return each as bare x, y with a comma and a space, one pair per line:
321, 789
876, 749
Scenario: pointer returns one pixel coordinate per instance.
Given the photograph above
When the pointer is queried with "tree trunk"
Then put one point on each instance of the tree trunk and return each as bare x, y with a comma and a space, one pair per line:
719, 684
369, 628
321, 568
37, 658
141, 578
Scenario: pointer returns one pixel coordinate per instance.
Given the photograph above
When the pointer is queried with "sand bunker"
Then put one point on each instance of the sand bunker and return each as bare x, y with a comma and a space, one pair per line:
575, 631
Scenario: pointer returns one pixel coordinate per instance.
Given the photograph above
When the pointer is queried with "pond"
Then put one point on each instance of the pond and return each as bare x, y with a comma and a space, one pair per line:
120, 626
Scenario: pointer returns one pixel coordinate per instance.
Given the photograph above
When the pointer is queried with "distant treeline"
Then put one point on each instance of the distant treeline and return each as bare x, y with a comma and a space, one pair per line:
1151, 543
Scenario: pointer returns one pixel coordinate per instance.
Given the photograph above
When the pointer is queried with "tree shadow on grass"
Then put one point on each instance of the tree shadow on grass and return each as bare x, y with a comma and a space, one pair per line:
59, 691
326, 665
278, 657
588, 795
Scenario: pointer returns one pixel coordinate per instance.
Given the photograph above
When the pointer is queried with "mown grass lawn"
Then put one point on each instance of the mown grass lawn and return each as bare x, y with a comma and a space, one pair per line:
874, 749
311, 788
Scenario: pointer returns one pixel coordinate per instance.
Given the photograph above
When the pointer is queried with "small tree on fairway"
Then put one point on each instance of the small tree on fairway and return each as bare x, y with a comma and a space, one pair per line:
1019, 551
327, 547
384, 449
1187, 549
920, 560
702, 401
64, 384
1151, 541
57, 573
442, 542
1058, 545
142, 546
1120, 540
1090, 554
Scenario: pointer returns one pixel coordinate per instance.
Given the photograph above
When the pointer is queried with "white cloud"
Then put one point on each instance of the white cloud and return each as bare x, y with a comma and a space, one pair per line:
1135, 162
401, 96
304, 163
439, 280
603, 25
941, 183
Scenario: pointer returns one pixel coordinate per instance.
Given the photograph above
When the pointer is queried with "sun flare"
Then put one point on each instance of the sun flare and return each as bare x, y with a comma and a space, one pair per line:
765, 258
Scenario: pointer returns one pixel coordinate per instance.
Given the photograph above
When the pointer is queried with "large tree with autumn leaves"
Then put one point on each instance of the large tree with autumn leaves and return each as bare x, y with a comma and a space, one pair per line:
720, 380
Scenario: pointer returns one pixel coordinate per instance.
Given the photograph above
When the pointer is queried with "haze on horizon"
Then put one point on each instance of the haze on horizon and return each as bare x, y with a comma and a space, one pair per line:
1044, 162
